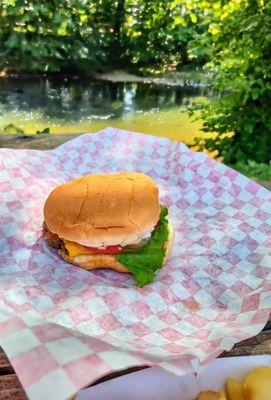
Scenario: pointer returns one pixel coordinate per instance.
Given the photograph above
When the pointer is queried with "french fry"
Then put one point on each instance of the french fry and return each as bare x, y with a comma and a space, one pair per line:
234, 389
210, 395
257, 385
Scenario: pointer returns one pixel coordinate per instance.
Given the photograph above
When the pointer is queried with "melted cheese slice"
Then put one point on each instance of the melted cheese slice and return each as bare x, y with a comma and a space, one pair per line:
75, 249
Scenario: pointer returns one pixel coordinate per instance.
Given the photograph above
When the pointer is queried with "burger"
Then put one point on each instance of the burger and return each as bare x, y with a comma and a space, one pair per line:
110, 221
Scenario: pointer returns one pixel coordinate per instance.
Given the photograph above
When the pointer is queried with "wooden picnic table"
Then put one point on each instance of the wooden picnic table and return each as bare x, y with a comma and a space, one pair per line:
10, 387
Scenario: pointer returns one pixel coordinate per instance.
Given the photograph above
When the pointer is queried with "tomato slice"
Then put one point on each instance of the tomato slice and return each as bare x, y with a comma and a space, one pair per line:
107, 250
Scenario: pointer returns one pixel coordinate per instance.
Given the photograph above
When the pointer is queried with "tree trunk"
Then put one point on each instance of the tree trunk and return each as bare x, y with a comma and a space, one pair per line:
119, 18
117, 48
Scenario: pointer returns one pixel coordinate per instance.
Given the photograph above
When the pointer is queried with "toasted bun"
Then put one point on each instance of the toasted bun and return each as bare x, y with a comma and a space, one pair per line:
97, 261
169, 242
103, 209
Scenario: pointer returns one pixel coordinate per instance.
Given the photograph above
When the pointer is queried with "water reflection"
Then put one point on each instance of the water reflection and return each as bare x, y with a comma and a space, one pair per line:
75, 100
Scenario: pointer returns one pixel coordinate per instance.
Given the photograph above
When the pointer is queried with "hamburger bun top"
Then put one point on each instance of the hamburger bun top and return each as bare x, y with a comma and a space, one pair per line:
103, 209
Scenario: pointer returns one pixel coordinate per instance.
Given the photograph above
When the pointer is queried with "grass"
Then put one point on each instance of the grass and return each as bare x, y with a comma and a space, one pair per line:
257, 171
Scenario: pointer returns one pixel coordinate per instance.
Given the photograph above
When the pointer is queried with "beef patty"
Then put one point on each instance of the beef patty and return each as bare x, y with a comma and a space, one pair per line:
51, 238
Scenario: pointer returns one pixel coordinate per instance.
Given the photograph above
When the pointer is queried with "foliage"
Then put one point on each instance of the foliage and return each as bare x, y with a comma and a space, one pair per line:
237, 43
257, 171
159, 31
49, 36
12, 128
75, 35
45, 130
231, 37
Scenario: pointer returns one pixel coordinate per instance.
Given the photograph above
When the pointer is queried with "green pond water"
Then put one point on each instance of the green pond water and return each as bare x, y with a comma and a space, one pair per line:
77, 106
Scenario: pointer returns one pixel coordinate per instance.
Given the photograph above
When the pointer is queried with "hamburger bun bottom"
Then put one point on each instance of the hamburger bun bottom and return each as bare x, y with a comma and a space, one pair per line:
98, 261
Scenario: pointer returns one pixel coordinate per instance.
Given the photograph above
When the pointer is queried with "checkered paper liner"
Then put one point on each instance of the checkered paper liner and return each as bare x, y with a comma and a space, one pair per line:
63, 327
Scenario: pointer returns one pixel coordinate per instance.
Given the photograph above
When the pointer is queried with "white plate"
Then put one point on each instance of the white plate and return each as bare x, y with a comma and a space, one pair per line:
157, 384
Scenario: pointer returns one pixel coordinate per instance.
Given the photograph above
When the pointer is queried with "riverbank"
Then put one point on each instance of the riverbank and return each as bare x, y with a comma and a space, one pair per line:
175, 78
47, 142
189, 78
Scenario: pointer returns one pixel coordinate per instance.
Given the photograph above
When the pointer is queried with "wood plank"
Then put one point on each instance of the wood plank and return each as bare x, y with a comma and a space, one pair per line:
39, 141
5, 366
259, 344
11, 388
268, 325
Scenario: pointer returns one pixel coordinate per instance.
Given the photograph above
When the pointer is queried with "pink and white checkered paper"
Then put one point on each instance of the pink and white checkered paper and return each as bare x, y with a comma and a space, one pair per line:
63, 327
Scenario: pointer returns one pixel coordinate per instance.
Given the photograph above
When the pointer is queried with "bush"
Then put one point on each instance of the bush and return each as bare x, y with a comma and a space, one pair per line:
257, 171
238, 43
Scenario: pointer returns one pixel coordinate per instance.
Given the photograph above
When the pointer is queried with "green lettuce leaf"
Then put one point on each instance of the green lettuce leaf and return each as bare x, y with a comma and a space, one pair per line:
143, 263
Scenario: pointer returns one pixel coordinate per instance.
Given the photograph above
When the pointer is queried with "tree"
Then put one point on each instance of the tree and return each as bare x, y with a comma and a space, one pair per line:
159, 31
74, 35
49, 36
237, 43
110, 16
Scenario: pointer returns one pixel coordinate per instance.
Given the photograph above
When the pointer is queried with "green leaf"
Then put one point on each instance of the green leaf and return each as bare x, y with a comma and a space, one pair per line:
11, 128
193, 18
45, 130
13, 40
145, 262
